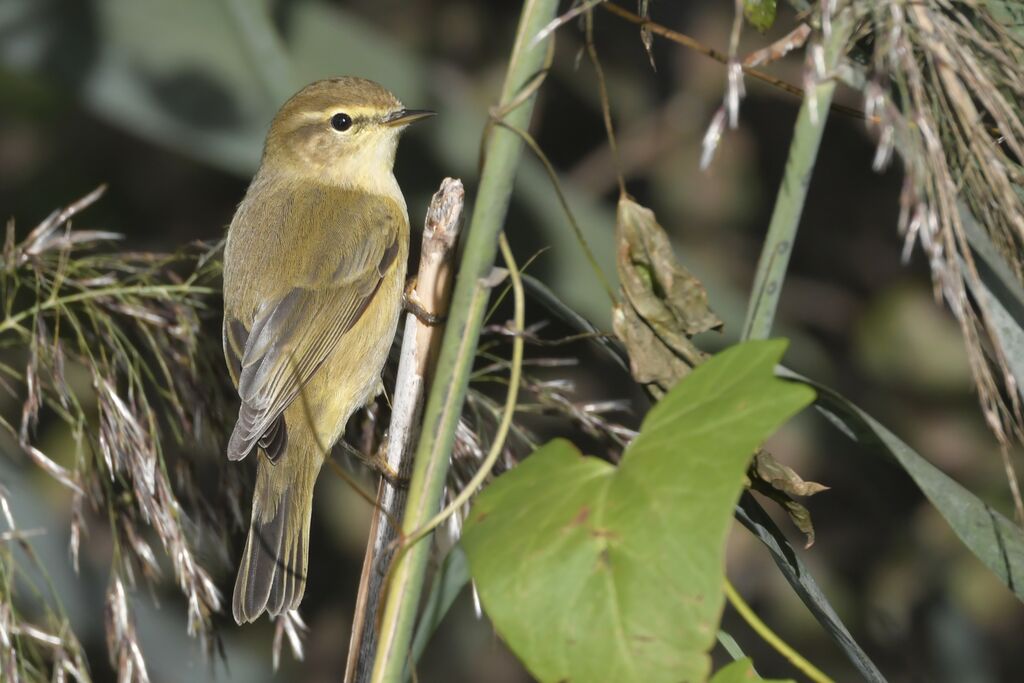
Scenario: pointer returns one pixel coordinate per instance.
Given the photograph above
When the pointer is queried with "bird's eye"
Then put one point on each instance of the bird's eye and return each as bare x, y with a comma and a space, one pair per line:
341, 122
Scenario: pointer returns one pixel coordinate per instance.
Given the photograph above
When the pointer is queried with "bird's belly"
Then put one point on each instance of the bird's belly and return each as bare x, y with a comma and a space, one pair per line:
350, 376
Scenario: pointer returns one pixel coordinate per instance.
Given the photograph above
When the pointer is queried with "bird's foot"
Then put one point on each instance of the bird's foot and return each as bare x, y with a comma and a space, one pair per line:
378, 462
411, 303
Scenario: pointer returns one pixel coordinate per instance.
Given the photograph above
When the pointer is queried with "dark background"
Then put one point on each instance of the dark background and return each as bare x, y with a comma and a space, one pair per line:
167, 104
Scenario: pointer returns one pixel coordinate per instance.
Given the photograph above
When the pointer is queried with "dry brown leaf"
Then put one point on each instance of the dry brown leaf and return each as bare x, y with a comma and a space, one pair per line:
662, 307
663, 304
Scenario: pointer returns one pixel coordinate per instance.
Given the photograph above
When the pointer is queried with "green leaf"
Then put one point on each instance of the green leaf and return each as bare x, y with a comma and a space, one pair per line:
740, 671
1001, 293
760, 13
1006, 330
995, 540
750, 514
592, 572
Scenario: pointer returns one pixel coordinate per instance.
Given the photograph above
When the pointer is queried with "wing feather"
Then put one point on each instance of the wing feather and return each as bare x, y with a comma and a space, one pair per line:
291, 338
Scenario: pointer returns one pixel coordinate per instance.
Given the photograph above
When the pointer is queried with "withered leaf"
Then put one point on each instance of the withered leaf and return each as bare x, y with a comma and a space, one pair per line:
651, 362
771, 478
662, 307
783, 478
799, 515
663, 304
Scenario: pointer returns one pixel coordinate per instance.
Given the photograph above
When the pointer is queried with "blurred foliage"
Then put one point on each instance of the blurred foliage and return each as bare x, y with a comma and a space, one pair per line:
738, 672
760, 13
898, 339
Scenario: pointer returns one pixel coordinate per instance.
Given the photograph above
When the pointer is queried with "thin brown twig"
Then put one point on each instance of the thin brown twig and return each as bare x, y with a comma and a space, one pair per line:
717, 55
606, 108
419, 353
531, 142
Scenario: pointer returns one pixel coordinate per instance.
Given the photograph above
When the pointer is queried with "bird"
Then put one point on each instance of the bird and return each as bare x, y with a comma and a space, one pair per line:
314, 275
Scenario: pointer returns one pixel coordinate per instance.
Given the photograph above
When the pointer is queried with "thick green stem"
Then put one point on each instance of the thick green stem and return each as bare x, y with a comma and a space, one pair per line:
444, 406
789, 205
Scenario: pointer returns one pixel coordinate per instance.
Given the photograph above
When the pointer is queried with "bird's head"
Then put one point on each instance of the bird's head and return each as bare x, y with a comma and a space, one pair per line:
342, 130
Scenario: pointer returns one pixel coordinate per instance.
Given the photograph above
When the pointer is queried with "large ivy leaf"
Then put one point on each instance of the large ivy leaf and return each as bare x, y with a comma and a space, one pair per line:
592, 572
749, 513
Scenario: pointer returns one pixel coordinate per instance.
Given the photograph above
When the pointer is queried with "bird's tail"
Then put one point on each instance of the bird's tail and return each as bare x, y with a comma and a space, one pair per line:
272, 573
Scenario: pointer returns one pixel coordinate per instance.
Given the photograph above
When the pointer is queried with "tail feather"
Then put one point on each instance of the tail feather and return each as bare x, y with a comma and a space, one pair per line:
272, 573
286, 592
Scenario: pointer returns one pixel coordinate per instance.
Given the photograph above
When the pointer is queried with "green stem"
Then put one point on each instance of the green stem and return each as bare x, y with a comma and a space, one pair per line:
770, 637
789, 204
503, 149
557, 185
507, 413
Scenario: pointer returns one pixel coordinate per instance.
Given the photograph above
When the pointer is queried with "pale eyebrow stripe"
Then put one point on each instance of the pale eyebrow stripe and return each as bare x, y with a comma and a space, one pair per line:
358, 114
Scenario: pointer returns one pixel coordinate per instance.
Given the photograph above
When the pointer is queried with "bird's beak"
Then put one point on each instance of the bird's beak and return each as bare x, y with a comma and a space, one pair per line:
403, 117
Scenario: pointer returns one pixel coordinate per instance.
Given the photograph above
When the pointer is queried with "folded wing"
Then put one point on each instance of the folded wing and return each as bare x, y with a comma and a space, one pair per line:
290, 339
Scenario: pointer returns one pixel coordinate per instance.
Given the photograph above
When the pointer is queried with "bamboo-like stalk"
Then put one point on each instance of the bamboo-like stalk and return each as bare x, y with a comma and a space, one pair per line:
789, 204
420, 345
502, 151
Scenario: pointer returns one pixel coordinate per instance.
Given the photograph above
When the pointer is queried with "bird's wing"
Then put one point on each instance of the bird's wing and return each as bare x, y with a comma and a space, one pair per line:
292, 336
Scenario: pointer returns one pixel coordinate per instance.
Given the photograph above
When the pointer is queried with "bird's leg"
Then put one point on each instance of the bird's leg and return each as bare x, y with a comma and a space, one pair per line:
376, 458
378, 462
411, 303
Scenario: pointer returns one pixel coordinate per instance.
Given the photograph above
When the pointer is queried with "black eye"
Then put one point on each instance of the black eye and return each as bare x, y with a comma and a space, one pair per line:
341, 122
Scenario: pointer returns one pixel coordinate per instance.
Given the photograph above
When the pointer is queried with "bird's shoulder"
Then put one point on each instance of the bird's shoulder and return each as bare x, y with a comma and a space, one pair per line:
306, 209
303, 234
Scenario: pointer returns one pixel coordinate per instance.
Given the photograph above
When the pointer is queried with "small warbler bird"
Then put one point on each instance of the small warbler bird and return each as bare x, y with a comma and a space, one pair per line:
314, 271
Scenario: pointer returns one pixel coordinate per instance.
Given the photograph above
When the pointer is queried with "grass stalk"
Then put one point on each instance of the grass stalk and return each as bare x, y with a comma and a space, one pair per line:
769, 636
503, 149
789, 204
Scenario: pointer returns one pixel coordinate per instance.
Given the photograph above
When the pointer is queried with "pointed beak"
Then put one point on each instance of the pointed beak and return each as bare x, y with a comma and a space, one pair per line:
403, 117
